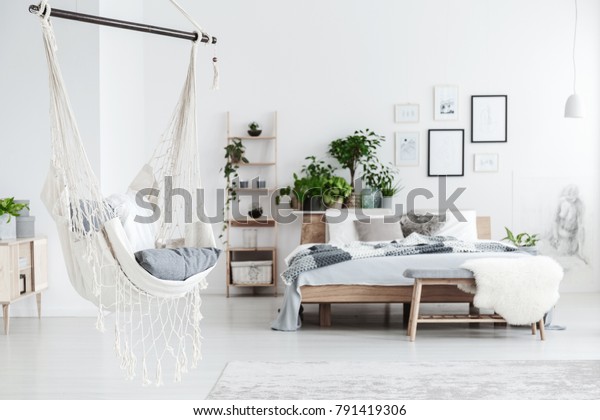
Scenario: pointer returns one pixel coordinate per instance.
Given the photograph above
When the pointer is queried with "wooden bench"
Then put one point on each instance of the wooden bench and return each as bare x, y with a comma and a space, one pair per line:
448, 277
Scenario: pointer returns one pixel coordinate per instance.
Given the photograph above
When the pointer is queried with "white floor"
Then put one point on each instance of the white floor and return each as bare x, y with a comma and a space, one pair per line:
66, 358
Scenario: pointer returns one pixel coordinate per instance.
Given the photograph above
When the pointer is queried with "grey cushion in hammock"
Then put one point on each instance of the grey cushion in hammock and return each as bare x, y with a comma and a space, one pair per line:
177, 263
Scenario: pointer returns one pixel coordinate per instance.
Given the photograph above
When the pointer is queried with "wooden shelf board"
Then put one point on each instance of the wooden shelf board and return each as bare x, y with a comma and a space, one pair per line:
252, 137
252, 285
254, 190
257, 164
252, 223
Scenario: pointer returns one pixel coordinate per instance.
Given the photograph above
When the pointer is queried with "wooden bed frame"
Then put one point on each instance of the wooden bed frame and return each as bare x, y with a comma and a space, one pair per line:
313, 231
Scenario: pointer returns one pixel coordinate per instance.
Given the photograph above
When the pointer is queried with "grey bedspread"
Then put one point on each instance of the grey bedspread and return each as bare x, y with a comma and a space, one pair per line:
323, 255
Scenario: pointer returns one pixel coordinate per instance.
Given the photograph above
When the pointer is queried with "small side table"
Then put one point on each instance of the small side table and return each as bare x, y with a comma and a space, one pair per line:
448, 277
23, 273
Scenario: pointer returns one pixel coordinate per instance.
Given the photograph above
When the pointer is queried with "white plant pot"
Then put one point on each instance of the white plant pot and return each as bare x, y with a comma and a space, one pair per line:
387, 202
8, 230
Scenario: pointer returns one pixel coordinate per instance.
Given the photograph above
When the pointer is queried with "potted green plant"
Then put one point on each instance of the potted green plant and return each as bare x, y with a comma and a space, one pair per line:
354, 151
307, 192
254, 129
524, 241
335, 191
9, 209
380, 179
234, 155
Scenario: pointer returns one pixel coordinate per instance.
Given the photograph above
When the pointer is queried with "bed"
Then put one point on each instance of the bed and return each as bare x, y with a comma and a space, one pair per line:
377, 280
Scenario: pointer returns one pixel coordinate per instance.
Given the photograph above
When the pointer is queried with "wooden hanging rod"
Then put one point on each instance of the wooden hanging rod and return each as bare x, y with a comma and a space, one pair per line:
132, 26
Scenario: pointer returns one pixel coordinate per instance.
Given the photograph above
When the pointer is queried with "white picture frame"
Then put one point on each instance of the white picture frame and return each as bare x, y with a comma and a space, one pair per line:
445, 103
486, 162
446, 152
407, 148
406, 113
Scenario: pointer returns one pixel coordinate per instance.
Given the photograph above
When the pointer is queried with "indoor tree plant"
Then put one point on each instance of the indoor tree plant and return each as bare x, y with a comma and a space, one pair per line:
354, 151
524, 241
234, 154
9, 209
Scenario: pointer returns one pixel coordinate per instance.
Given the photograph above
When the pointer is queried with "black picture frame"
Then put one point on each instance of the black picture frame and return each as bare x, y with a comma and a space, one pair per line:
433, 154
477, 136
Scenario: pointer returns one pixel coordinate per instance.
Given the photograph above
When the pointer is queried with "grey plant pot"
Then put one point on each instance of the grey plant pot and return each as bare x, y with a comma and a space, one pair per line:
25, 227
8, 230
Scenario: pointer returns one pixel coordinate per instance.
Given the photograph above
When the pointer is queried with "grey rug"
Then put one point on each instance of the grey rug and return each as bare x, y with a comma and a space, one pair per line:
462, 380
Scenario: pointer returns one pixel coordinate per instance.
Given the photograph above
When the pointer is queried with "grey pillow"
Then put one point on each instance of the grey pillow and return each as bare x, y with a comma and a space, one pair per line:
177, 263
422, 223
378, 228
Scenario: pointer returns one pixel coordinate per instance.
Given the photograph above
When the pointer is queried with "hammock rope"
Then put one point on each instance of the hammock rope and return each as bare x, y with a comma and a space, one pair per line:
156, 322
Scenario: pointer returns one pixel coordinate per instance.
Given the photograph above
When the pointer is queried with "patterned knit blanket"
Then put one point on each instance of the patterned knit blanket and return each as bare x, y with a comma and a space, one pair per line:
323, 255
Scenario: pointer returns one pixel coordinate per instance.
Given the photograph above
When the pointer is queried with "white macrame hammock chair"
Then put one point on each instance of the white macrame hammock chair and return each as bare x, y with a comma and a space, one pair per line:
156, 321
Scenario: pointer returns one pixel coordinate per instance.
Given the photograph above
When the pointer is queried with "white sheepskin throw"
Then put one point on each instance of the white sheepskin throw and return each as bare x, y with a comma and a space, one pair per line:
521, 290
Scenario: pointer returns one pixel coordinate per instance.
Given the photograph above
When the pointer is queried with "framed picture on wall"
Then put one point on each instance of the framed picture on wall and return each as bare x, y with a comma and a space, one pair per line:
446, 152
489, 118
407, 148
406, 113
445, 103
485, 162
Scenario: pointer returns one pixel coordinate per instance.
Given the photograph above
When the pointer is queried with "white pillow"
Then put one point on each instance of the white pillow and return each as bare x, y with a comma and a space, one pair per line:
141, 235
340, 224
464, 231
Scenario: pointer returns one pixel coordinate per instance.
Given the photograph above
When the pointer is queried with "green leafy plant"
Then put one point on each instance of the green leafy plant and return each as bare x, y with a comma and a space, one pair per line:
335, 190
358, 149
254, 126
8, 206
522, 239
234, 153
309, 183
382, 177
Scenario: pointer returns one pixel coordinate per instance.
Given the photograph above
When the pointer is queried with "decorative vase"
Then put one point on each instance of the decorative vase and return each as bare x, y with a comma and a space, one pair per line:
8, 229
378, 199
254, 133
368, 198
387, 202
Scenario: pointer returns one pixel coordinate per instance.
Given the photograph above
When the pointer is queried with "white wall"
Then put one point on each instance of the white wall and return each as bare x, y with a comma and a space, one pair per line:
124, 147
328, 67
103, 71
25, 139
